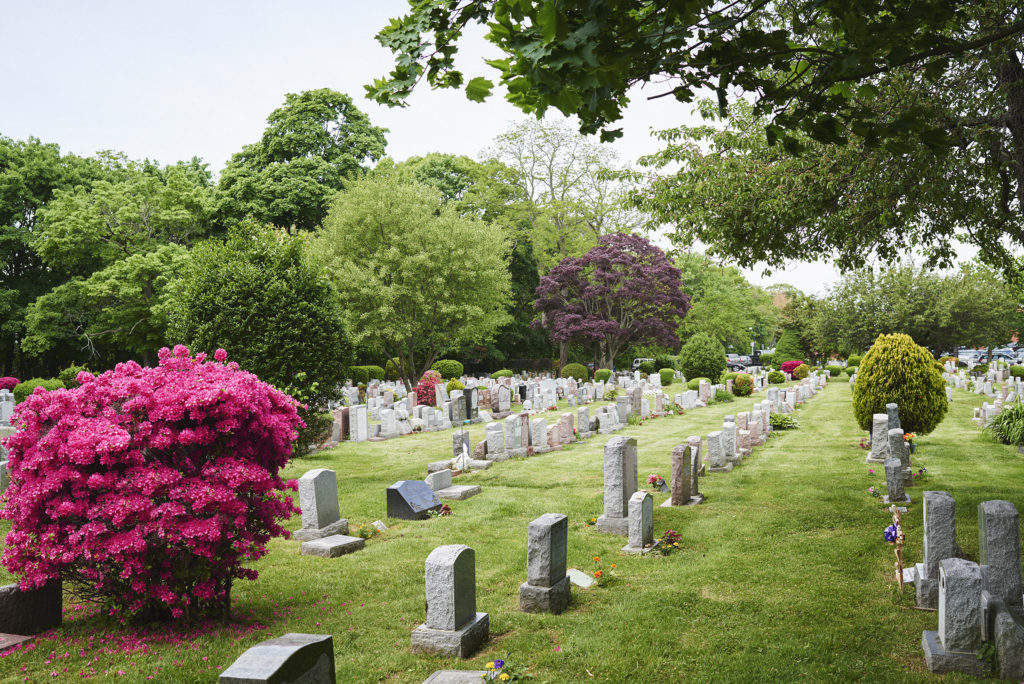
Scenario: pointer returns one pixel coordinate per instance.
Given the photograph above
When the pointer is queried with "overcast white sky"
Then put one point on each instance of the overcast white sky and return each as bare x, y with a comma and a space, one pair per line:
174, 80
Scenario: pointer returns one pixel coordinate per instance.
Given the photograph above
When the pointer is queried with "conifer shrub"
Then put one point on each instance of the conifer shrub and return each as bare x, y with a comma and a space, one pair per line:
576, 370
743, 385
897, 370
776, 377
146, 488
454, 385
503, 373
853, 360
834, 371
788, 347
702, 356
391, 370
801, 371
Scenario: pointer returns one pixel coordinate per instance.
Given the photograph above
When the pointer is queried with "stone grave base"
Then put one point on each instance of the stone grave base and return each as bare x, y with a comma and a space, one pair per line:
694, 500
340, 527
869, 459
618, 526
438, 466
537, 450
458, 492
518, 453
498, 457
724, 469
885, 499
456, 677
585, 435
580, 578
939, 660
460, 642
555, 599
475, 464
639, 549
332, 547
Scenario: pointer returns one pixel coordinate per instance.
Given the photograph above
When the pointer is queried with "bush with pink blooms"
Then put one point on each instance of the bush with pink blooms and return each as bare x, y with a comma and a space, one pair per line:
425, 388
9, 383
789, 366
147, 488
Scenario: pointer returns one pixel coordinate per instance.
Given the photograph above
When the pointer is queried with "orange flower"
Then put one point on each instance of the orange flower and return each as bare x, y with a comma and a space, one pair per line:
613, 566
598, 574
597, 559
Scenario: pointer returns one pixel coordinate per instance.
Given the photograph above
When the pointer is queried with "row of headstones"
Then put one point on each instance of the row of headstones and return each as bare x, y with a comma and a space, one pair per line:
977, 602
889, 448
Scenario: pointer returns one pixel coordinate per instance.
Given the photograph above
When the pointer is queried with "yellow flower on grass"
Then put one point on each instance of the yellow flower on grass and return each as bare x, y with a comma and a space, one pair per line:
504, 677
490, 665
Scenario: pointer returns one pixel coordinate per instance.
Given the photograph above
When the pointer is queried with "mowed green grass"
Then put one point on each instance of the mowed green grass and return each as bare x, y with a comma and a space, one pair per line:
783, 574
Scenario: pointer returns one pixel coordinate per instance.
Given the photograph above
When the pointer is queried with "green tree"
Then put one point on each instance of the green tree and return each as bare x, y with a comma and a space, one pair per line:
413, 275
789, 347
896, 370
119, 309
702, 357
258, 296
312, 145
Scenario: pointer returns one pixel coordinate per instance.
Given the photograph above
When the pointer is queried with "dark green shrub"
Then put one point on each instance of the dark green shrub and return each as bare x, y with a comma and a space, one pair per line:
647, 367
851, 371
666, 361
896, 370
1017, 371
257, 295
576, 370
743, 385
834, 371
1008, 426
374, 372
391, 370
69, 376
358, 375
980, 369
789, 347
853, 360
23, 389
602, 374
721, 396
702, 356
767, 360
503, 373
801, 371
694, 383
317, 431
667, 376
448, 369
776, 377
454, 385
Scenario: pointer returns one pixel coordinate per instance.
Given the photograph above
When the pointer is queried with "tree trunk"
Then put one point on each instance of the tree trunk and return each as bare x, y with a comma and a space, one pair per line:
563, 355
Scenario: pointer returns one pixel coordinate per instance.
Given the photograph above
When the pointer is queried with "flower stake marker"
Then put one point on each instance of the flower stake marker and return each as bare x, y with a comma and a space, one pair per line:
894, 535
658, 482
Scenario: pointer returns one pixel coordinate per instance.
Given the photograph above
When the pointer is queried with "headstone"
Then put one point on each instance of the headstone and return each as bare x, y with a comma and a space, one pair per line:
359, 424
685, 464
539, 435
999, 549
547, 588
306, 658
898, 447
32, 611
879, 438
622, 407
955, 646
460, 443
620, 483
717, 462
411, 500
939, 543
729, 441
318, 500
495, 435
894, 482
696, 443
453, 627
504, 399
441, 484
641, 523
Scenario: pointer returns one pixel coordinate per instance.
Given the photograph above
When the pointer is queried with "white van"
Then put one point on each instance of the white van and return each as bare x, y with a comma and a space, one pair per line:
637, 362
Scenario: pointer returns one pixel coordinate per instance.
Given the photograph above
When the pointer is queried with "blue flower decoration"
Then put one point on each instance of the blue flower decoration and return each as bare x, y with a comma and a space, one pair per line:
890, 533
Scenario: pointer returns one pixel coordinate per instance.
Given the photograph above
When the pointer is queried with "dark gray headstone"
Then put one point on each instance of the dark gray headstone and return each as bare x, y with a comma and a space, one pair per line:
411, 500
892, 412
32, 611
288, 659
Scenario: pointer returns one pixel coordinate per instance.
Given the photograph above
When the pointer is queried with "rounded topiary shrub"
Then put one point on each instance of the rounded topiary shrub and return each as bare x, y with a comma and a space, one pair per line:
23, 389
694, 383
602, 374
503, 373
374, 372
391, 370
731, 375
853, 360
358, 375
801, 371
454, 385
647, 367
788, 347
896, 370
147, 488
834, 371
1017, 371
667, 376
447, 368
851, 371
980, 369
9, 383
576, 370
743, 385
425, 393
702, 356
776, 377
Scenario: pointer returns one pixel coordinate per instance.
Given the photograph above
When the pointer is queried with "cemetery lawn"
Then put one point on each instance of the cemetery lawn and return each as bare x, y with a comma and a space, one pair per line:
782, 573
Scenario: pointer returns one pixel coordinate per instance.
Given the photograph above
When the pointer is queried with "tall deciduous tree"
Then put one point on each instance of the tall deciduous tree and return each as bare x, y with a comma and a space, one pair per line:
412, 274
315, 142
622, 291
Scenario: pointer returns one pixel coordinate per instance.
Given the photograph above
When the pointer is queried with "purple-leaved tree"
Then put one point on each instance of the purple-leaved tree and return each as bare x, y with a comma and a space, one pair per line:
622, 291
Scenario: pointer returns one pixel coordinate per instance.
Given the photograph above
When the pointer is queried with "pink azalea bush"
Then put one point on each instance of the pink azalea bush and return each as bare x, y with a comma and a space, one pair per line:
788, 366
425, 388
9, 383
146, 487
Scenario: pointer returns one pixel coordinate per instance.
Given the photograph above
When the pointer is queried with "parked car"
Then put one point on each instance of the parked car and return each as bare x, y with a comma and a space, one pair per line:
637, 362
735, 362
